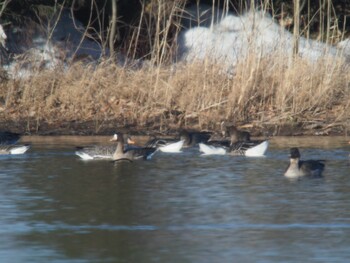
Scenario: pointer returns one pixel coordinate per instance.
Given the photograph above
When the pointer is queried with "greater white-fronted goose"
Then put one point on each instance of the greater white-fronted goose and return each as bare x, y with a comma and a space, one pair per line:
130, 154
99, 152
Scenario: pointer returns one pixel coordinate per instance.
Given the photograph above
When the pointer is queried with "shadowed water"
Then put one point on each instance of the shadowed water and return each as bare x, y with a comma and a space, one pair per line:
174, 208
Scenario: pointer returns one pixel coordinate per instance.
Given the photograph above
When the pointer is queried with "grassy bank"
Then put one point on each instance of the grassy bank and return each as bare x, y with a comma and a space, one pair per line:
263, 93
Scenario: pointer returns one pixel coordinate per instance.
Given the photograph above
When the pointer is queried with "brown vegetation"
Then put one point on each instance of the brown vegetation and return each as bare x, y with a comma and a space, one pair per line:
266, 93
263, 92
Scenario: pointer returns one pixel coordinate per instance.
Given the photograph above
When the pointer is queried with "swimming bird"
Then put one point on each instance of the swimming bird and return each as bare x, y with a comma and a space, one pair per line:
99, 152
8, 144
241, 144
130, 154
298, 168
13, 149
185, 139
169, 145
250, 148
238, 144
192, 138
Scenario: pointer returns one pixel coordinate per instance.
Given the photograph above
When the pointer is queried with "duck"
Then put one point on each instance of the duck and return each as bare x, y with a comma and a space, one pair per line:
192, 138
241, 144
238, 144
298, 168
174, 145
8, 144
13, 149
250, 148
7, 137
130, 154
100, 152
168, 145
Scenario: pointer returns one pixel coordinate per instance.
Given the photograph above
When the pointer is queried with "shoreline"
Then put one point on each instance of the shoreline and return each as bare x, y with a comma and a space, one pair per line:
106, 128
282, 143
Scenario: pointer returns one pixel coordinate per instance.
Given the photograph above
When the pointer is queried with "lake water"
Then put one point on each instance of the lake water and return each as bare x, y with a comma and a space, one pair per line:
174, 208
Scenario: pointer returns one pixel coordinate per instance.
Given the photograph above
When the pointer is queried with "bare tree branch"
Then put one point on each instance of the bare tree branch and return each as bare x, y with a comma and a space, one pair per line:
3, 6
113, 27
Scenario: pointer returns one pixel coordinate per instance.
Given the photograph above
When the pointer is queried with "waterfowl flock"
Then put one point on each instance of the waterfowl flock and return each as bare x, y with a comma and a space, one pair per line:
233, 142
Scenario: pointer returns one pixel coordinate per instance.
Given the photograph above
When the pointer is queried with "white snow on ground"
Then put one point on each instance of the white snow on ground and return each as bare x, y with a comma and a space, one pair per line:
50, 45
223, 38
2, 36
229, 38
344, 47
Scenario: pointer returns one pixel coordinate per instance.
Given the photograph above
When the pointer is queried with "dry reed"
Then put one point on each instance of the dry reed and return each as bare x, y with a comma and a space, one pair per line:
263, 91
195, 95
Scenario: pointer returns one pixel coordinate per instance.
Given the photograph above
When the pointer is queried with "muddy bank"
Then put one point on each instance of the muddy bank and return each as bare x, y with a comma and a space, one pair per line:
33, 127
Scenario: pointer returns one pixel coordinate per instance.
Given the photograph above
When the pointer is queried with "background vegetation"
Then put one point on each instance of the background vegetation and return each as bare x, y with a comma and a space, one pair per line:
264, 94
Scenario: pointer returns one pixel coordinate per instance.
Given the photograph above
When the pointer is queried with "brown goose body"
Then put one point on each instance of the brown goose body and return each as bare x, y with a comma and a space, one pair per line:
130, 154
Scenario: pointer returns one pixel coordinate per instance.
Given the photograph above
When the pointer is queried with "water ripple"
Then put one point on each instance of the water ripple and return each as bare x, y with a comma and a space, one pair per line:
213, 227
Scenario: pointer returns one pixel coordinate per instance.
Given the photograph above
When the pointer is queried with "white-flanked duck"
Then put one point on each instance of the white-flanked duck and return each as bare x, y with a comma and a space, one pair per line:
254, 148
13, 149
239, 144
130, 154
298, 168
250, 149
8, 144
175, 145
211, 148
168, 145
99, 152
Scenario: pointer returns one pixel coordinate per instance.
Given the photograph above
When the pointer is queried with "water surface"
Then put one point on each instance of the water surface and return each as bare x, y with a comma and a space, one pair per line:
174, 208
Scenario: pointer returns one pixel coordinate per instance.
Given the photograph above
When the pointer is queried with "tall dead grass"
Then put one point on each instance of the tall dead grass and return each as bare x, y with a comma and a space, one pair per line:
263, 91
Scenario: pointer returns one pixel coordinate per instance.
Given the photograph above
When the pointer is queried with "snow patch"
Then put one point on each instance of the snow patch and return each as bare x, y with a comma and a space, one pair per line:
3, 37
228, 39
49, 46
